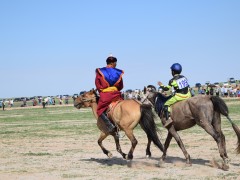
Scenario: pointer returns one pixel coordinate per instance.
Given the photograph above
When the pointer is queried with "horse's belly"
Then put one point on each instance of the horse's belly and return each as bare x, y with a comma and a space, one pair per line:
181, 125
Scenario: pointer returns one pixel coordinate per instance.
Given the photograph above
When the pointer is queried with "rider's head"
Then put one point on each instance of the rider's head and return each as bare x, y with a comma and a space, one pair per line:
176, 68
111, 60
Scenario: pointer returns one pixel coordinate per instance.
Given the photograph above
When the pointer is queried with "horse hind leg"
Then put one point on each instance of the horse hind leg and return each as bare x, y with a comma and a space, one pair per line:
222, 144
148, 151
134, 142
216, 132
217, 126
100, 139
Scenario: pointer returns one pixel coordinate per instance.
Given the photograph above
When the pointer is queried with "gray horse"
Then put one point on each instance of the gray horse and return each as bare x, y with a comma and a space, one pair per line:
203, 110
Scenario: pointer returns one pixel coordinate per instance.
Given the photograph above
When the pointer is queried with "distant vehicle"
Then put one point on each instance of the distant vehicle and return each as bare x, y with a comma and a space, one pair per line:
75, 95
129, 90
82, 92
232, 80
17, 99
207, 82
22, 98
225, 83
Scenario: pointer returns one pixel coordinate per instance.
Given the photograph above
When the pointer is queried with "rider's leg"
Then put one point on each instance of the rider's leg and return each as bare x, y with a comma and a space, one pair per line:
168, 119
109, 124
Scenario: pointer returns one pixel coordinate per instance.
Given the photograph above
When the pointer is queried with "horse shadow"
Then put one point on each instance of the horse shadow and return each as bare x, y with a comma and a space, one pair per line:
134, 163
197, 161
144, 161
108, 161
173, 159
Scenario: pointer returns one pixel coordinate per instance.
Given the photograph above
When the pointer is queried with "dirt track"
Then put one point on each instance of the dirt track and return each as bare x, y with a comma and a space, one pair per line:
79, 157
65, 153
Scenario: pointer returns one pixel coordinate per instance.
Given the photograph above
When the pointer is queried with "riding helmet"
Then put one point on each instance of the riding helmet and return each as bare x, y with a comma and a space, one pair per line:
176, 68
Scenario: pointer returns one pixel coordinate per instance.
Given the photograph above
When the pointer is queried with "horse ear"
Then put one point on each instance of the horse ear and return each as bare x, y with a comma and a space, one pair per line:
144, 90
92, 90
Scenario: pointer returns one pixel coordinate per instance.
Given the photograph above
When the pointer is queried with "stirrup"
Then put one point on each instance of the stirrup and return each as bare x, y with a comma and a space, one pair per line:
168, 123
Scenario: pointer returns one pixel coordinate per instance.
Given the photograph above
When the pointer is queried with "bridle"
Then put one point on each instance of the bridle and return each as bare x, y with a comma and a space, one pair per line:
91, 100
145, 99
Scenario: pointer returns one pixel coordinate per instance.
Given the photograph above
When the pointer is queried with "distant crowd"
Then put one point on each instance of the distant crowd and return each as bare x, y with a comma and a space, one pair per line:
220, 90
42, 101
217, 90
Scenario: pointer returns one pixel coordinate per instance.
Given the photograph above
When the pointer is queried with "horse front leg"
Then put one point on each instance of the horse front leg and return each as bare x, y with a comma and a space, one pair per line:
166, 145
100, 139
118, 147
180, 144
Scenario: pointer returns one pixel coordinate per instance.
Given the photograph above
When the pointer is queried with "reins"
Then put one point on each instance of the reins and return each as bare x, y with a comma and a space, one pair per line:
145, 98
89, 99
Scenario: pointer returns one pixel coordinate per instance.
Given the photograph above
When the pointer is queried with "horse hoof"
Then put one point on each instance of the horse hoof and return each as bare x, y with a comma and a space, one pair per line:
163, 157
160, 163
124, 156
148, 156
110, 155
228, 160
225, 167
188, 164
130, 157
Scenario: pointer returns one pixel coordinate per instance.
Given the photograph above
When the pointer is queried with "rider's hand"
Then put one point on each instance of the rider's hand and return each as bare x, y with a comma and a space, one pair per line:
160, 83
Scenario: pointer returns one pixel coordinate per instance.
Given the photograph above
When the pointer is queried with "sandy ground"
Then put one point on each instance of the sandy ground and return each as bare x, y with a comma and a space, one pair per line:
80, 157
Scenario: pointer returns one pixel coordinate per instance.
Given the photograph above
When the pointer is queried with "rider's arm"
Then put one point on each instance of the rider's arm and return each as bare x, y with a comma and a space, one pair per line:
100, 82
119, 85
165, 88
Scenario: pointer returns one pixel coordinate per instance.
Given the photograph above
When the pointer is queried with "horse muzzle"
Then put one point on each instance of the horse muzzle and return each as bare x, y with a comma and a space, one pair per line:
78, 105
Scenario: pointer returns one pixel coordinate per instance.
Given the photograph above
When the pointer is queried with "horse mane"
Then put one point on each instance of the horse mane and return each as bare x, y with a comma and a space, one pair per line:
97, 96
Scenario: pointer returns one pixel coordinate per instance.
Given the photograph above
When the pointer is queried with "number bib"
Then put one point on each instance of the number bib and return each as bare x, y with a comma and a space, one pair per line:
182, 83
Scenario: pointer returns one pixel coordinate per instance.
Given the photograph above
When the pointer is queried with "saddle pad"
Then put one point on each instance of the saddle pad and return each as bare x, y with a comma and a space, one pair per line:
111, 108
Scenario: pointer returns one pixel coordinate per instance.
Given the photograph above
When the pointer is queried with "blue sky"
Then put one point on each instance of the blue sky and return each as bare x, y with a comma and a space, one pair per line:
52, 47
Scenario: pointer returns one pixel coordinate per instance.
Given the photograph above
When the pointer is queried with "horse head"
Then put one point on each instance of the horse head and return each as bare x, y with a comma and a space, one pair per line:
154, 98
86, 99
78, 102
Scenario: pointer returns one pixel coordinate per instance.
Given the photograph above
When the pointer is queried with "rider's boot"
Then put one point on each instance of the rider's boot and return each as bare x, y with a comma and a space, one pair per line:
169, 121
108, 123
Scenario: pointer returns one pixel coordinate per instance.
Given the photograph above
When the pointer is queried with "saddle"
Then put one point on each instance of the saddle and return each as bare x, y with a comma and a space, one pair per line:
111, 108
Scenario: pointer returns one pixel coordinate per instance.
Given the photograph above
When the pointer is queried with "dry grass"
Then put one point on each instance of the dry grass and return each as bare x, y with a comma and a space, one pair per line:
62, 148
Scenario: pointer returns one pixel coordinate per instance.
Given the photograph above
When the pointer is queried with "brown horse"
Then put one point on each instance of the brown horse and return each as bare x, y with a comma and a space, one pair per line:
203, 110
126, 115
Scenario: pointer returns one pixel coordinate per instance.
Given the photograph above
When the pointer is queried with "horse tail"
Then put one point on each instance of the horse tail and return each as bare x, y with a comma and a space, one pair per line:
149, 126
221, 107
